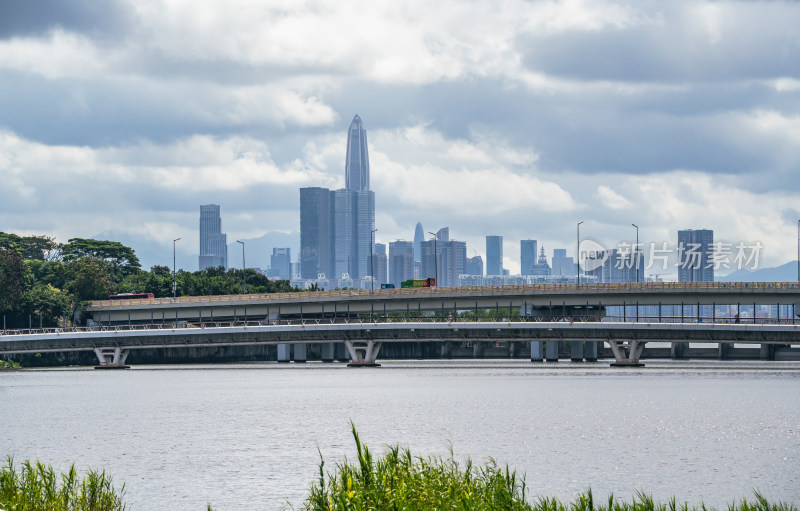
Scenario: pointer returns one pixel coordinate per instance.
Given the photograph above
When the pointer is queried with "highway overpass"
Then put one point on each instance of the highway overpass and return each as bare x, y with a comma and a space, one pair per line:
546, 301
364, 339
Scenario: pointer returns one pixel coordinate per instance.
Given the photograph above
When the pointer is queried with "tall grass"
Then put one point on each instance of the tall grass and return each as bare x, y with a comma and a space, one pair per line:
399, 481
35, 486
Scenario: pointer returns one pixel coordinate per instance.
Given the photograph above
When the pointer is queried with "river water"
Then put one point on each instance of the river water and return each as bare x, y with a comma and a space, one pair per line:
247, 436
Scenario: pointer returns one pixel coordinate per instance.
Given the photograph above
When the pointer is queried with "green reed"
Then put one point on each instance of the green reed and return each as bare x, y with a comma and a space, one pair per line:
399, 481
35, 486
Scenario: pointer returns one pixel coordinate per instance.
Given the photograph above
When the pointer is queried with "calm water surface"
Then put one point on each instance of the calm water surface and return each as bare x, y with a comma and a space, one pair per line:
246, 436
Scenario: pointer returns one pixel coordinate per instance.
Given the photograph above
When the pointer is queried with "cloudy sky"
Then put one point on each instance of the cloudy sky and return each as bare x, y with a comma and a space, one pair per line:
518, 118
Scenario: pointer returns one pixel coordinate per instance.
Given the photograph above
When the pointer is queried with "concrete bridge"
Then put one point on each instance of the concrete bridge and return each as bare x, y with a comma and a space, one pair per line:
550, 301
363, 340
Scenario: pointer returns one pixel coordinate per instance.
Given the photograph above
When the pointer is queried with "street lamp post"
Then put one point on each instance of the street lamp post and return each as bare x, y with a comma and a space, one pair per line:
636, 251
578, 254
174, 277
435, 260
371, 257
244, 267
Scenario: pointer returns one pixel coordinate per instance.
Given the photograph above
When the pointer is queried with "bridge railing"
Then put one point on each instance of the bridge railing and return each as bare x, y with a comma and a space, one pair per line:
494, 290
397, 318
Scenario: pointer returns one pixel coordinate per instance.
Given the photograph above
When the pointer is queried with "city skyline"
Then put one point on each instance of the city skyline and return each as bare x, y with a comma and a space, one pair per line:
114, 127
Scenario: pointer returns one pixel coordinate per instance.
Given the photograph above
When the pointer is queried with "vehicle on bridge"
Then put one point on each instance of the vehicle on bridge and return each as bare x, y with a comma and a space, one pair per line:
411, 283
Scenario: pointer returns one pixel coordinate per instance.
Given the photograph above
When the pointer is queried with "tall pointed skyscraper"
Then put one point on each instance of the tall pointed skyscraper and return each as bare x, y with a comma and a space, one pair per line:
336, 225
419, 237
356, 167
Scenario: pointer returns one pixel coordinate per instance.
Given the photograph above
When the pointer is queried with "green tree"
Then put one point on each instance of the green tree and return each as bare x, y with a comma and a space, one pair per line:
40, 248
88, 279
47, 272
12, 279
47, 302
122, 260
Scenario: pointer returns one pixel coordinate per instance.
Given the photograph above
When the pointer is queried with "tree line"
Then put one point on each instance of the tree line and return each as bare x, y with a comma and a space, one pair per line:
46, 282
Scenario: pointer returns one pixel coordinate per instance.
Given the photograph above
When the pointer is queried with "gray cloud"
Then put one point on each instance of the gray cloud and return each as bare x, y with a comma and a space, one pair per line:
683, 42
26, 18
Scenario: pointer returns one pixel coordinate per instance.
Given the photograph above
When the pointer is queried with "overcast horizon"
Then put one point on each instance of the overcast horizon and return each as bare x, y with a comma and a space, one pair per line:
510, 118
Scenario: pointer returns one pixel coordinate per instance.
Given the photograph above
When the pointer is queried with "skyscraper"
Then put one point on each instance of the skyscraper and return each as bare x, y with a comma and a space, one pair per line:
615, 266
281, 262
452, 262
429, 253
379, 264
564, 266
474, 266
213, 243
419, 237
401, 261
494, 255
316, 232
527, 256
356, 165
336, 226
695, 255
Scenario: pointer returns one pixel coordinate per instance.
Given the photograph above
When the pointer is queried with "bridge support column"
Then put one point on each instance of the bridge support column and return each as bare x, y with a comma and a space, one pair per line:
551, 351
537, 351
284, 353
328, 352
513, 349
300, 352
341, 352
678, 350
447, 348
627, 353
363, 353
590, 351
477, 349
576, 351
767, 352
722, 351
111, 358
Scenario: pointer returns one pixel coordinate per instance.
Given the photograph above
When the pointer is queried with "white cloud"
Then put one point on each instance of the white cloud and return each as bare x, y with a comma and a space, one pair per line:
59, 55
611, 199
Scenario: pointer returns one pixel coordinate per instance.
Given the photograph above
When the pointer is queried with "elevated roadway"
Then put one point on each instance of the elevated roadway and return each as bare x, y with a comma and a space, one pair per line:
363, 340
544, 301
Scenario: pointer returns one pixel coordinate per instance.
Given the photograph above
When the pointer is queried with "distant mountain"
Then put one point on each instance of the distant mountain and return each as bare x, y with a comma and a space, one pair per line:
151, 252
257, 250
783, 273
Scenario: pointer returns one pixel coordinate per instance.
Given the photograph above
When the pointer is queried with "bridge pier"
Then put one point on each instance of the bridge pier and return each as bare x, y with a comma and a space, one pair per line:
363, 353
477, 349
111, 358
513, 349
284, 353
627, 353
300, 352
723, 351
537, 351
576, 351
341, 352
767, 352
590, 351
328, 352
551, 351
678, 350
447, 349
